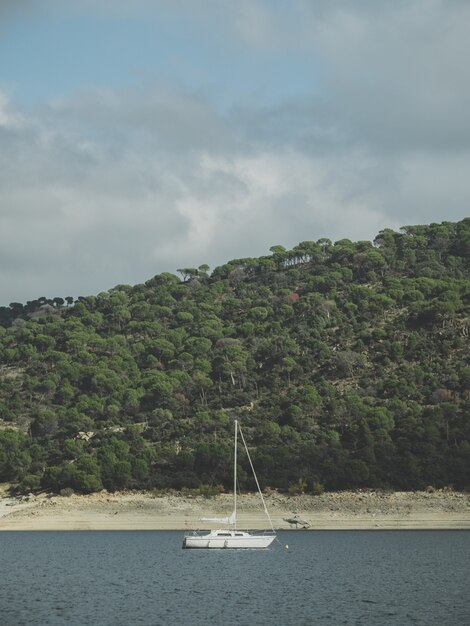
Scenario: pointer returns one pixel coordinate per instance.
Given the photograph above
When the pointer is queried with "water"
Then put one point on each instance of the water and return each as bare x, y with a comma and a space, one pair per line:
327, 577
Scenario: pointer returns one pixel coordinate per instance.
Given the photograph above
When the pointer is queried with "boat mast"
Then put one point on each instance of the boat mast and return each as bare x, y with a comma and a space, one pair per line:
235, 477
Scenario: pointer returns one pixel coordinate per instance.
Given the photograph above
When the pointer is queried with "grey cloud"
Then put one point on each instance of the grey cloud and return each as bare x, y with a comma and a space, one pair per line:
101, 188
160, 118
91, 218
396, 74
393, 74
78, 215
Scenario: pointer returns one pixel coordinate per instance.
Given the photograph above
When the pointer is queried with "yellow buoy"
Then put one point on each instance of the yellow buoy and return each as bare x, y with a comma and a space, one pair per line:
287, 547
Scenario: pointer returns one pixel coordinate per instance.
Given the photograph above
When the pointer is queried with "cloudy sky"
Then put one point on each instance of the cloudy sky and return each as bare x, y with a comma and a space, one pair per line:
181, 132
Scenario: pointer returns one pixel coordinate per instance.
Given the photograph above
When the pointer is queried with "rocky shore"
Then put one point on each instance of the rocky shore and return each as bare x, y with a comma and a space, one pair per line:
365, 509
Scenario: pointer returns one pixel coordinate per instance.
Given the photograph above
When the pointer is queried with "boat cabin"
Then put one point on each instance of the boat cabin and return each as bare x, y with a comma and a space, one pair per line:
228, 533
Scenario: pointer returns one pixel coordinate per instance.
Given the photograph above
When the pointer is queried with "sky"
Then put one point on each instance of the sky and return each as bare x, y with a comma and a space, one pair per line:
141, 137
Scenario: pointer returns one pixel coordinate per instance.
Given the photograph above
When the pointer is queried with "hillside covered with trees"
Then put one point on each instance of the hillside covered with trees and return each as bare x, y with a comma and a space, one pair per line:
348, 364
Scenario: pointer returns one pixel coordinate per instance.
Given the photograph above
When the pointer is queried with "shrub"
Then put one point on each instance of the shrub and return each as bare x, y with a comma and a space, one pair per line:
209, 491
298, 488
317, 488
31, 482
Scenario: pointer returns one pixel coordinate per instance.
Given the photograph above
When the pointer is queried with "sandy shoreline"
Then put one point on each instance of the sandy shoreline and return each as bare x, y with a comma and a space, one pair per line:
361, 510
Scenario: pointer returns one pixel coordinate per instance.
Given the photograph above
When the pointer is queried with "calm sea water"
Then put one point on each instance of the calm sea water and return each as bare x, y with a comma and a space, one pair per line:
325, 577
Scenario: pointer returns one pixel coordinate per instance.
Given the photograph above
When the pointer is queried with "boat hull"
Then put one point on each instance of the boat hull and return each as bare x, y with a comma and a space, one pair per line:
253, 542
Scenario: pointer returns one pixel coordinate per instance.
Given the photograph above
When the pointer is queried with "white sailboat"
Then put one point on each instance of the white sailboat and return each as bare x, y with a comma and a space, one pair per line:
231, 537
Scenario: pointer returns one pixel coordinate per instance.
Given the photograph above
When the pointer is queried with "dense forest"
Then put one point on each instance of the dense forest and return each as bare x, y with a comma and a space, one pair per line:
347, 363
